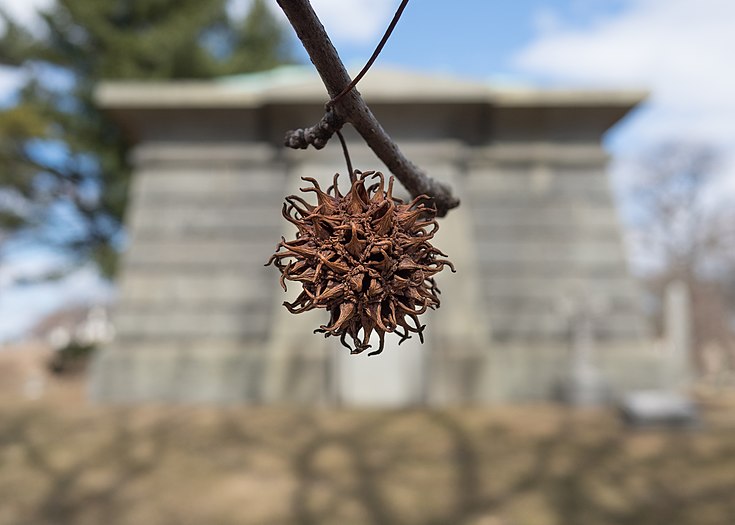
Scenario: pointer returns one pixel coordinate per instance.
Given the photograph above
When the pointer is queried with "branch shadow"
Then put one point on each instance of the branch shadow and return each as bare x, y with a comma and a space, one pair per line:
64, 485
385, 468
569, 476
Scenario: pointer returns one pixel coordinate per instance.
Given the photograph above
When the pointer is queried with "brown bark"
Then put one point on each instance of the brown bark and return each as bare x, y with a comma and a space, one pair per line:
353, 109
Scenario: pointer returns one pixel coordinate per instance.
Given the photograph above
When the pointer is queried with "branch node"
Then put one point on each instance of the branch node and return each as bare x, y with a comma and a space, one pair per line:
317, 135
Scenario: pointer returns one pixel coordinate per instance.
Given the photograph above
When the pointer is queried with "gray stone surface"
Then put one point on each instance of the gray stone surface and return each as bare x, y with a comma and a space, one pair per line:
200, 319
678, 330
547, 231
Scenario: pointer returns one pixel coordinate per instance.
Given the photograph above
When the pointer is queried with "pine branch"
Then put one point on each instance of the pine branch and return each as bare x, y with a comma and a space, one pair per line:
352, 108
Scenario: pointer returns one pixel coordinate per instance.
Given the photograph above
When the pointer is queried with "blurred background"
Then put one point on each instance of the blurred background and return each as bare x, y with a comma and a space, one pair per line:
581, 368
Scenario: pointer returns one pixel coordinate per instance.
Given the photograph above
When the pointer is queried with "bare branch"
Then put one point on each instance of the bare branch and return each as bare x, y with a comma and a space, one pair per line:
317, 135
352, 108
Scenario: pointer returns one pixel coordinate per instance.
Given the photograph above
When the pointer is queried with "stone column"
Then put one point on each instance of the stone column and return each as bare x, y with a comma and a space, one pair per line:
545, 228
298, 363
583, 383
461, 363
195, 300
678, 333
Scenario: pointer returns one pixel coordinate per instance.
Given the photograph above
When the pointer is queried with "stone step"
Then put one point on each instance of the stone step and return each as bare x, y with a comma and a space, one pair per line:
524, 285
575, 232
223, 200
552, 196
573, 208
539, 327
188, 288
133, 322
182, 181
521, 304
551, 268
579, 184
188, 222
562, 216
204, 253
580, 254
535, 300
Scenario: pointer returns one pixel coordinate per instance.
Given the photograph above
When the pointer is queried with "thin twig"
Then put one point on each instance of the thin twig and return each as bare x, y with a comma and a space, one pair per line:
357, 79
352, 108
374, 56
350, 171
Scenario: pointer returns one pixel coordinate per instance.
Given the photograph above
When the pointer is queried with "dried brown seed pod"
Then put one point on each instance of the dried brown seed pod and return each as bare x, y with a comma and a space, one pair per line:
364, 256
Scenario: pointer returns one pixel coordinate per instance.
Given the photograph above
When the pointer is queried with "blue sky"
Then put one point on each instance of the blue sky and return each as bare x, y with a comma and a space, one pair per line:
475, 39
680, 50
677, 49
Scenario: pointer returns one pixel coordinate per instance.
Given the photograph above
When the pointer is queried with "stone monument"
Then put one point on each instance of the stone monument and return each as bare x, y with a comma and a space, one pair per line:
199, 317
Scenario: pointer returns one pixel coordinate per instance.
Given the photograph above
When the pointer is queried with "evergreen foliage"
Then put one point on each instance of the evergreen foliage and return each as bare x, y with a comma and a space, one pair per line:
63, 170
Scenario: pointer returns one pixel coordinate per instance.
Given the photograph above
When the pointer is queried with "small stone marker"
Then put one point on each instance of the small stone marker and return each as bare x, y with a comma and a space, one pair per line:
658, 408
583, 384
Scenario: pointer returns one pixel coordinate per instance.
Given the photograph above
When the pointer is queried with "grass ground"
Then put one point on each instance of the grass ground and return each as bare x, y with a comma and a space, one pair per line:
65, 463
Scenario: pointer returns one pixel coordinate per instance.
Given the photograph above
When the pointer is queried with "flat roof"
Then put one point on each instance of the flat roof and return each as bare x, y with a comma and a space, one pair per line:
301, 84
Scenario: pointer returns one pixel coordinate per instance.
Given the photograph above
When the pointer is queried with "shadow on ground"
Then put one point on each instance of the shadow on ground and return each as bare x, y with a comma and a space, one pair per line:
532, 465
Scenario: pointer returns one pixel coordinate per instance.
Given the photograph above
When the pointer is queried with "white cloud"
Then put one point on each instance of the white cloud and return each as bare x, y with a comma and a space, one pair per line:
25, 11
679, 49
21, 307
346, 21
240, 8
546, 20
355, 21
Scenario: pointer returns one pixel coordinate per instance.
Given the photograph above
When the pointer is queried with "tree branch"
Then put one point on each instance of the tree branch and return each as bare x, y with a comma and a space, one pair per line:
353, 109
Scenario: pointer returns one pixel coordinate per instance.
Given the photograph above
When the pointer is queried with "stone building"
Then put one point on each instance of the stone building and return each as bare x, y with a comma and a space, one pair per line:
536, 243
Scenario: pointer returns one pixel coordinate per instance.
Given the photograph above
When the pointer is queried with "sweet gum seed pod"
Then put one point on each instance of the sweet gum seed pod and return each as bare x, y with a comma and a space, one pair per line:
365, 257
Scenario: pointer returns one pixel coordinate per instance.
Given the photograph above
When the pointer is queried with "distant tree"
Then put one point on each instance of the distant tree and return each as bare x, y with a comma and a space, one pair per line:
678, 221
63, 169
689, 233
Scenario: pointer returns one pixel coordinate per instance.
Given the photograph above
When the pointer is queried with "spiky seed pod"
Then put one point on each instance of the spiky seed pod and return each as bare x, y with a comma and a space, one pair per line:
365, 257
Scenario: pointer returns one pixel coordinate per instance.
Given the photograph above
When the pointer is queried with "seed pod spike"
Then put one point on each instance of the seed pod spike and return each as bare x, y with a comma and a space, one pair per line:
381, 336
